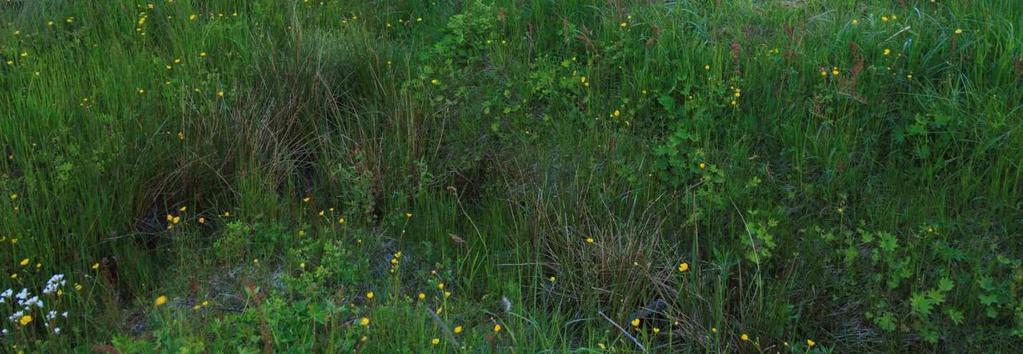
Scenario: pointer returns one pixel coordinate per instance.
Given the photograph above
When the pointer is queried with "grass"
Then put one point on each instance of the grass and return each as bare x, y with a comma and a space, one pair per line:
680, 176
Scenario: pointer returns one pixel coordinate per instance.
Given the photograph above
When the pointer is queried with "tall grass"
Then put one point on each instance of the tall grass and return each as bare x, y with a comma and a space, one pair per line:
846, 172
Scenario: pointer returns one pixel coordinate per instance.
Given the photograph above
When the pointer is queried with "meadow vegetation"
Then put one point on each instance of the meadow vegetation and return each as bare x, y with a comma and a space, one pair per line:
331, 176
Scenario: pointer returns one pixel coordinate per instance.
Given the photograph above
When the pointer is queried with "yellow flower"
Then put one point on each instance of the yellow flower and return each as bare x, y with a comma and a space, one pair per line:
635, 322
703, 165
341, 221
14, 196
810, 343
589, 240
408, 215
458, 329
657, 330
202, 220
497, 327
884, 18
369, 295
440, 286
95, 266
435, 82
435, 341
887, 51
24, 262
682, 267
160, 300
364, 321
193, 17
202, 54
14, 275
855, 22
616, 113
422, 296
959, 31
220, 93
744, 337
623, 25
706, 67
25, 320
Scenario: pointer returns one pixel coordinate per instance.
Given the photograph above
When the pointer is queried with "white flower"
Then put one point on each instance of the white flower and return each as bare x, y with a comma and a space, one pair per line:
51, 315
22, 295
54, 283
15, 316
56, 330
7, 293
64, 314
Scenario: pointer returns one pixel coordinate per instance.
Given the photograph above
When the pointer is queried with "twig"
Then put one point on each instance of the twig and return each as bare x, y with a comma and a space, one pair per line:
626, 333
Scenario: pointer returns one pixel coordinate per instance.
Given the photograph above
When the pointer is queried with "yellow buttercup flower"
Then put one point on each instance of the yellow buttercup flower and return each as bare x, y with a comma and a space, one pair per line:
744, 337
422, 296
458, 329
635, 322
25, 320
497, 327
682, 267
810, 343
24, 262
160, 300
369, 295
364, 321
435, 341
589, 240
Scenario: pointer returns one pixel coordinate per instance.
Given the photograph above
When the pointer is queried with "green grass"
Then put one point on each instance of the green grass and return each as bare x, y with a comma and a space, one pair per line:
844, 172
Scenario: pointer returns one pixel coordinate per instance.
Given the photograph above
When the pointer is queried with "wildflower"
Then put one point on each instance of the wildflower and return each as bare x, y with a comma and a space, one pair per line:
408, 215
810, 343
682, 267
657, 330
497, 328
435, 82
635, 322
616, 113
589, 240
24, 262
884, 18
220, 93
744, 337
440, 286
369, 295
714, 330
193, 17
623, 25
364, 321
14, 196
202, 54
706, 67
341, 221
458, 329
160, 300
202, 220
834, 71
95, 266
855, 22
959, 31
25, 320
703, 165
422, 296
435, 341
553, 279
